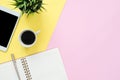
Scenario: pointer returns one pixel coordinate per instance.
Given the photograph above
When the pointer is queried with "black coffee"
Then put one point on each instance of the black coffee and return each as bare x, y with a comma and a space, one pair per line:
28, 37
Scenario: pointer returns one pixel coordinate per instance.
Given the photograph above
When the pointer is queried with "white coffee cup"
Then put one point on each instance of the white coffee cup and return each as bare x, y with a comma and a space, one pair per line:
28, 37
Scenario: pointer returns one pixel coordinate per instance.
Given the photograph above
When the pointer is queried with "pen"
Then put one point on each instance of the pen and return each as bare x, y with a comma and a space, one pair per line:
15, 66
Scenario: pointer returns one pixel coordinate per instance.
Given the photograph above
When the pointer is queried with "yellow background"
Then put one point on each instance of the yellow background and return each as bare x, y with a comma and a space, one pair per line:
45, 22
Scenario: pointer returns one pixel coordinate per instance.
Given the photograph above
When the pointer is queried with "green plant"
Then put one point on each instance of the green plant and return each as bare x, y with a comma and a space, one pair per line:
29, 6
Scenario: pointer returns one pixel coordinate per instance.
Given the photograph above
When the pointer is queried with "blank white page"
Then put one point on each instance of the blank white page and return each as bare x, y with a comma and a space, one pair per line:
47, 65
7, 71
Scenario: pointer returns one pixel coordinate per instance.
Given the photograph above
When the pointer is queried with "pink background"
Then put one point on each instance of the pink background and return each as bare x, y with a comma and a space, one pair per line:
88, 36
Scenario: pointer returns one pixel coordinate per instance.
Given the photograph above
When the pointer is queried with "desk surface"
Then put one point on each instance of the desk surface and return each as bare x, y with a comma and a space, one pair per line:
45, 22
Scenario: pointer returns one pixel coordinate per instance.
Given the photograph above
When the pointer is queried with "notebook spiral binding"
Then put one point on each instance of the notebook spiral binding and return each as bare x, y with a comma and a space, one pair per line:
26, 69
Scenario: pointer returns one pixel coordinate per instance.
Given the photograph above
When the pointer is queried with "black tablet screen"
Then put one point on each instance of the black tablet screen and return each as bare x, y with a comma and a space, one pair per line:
7, 24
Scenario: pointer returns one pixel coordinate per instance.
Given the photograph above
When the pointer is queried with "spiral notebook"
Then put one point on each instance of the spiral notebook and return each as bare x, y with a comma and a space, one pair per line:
47, 65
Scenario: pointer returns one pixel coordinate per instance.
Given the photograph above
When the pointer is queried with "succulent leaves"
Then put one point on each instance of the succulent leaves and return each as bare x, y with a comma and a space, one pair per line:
29, 6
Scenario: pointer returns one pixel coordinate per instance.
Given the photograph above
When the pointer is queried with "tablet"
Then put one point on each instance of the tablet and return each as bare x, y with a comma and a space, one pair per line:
8, 22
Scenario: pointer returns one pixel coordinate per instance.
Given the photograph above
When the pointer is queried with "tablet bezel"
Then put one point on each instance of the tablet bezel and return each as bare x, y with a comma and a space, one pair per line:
17, 14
